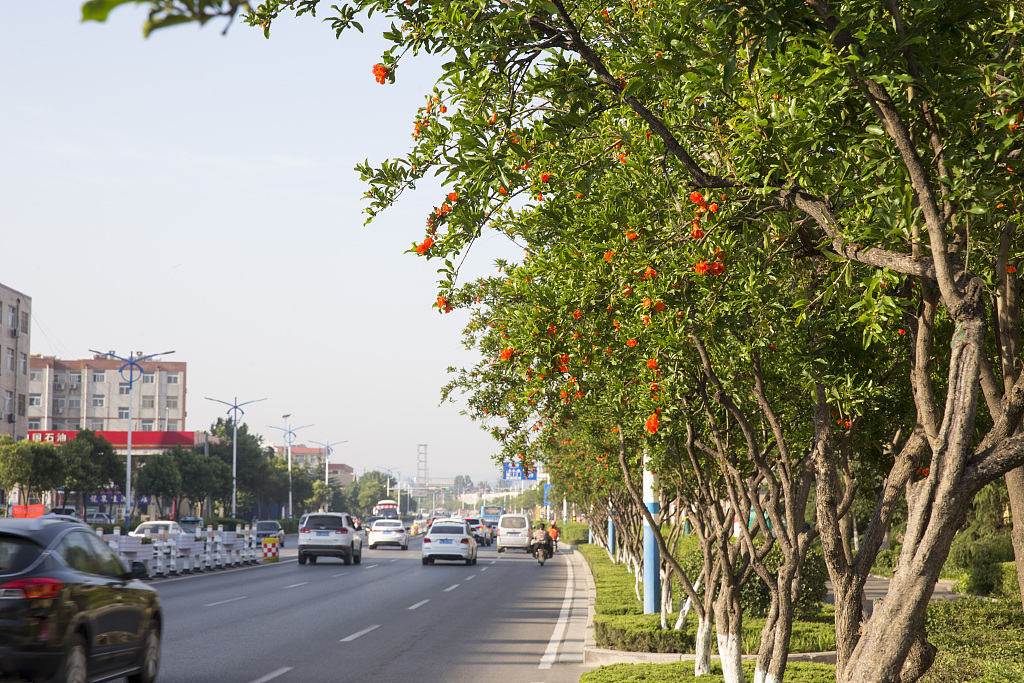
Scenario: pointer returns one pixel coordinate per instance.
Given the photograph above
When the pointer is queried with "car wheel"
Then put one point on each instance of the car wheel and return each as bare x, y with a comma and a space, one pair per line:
426, 561
500, 549
348, 558
405, 547
74, 668
312, 559
302, 558
149, 661
282, 542
469, 561
373, 547
359, 557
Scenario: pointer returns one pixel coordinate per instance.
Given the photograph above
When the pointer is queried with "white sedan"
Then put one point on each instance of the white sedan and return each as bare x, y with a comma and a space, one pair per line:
449, 539
161, 528
388, 532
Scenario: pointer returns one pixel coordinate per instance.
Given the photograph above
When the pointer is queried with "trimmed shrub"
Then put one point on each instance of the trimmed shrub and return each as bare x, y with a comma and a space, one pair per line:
574, 533
756, 599
796, 672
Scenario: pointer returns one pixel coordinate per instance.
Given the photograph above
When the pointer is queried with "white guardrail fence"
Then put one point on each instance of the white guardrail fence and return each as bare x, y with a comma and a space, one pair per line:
173, 554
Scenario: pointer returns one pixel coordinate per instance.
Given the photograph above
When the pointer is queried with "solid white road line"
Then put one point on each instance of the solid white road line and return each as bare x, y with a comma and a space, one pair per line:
222, 602
370, 566
472, 576
451, 588
419, 604
359, 633
272, 675
296, 585
563, 623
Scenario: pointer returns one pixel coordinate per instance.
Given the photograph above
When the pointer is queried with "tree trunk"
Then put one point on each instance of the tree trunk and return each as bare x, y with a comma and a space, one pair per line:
702, 661
1015, 487
729, 628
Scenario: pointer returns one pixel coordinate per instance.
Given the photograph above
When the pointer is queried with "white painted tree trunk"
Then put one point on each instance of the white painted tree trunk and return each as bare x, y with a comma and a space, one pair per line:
684, 611
730, 649
702, 662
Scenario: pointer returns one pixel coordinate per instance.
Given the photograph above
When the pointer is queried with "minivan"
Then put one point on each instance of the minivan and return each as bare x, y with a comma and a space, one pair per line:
514, 532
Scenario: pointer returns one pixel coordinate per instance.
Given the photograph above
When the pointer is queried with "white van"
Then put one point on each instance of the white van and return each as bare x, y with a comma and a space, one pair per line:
514, 531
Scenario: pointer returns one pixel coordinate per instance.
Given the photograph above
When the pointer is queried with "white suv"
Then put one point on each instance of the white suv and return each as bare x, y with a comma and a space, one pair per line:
332, 534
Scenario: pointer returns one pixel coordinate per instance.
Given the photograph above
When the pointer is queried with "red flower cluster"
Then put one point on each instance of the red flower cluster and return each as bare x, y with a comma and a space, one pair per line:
652, 424
381, 73
544, 177
577, 314
506, 353
425, 245
631, 343
630, 235
652, 363
608, 256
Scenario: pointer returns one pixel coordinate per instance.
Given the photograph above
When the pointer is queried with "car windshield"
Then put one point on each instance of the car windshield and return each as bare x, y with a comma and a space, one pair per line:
153, 528
447, 529
386, 523
328, 522
16, 553
513, 522
266, 526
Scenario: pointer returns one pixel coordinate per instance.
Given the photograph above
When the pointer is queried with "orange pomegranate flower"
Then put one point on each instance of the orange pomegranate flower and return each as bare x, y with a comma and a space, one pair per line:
1011, 270
659, 306
652, 363
701, 268
652, 424
453, 196
426, 244
577, 314
381, 73
544, 177
506, 353
697, 198
650, 272
502, 190
631, 343
717, 268
608, 256
631, 235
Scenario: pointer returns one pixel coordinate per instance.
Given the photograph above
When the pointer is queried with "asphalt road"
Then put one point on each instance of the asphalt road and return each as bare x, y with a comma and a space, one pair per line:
390, 619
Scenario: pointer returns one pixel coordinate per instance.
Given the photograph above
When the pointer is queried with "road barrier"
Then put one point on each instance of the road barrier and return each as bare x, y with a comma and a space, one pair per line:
270, 550
170, 554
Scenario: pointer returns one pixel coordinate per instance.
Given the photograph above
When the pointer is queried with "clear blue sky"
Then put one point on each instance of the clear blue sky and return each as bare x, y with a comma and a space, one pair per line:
195, 192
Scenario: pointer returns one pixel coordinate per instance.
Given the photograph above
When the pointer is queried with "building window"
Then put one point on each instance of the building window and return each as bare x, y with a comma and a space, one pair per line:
24, 322
35, 399
172, 378
35, 423
95, 425
148, 401
75, 402
170, 425
172, 401
21, 405
99, 376
75, 377
124, 388
58, 405
122, 413
147, 425
148, 378
35, 376
10, 359
97, 400
58, 425
23, 363
8, 401
12, 316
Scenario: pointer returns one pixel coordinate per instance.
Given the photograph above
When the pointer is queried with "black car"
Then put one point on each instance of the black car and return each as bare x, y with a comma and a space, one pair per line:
68, 609
270, 529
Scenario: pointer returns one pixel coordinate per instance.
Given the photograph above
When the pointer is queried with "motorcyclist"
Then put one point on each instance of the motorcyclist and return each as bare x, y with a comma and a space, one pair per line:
540, 537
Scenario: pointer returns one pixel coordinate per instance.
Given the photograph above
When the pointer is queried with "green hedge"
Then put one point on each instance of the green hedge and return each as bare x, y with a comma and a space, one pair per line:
620, 624
575, 533
978, 640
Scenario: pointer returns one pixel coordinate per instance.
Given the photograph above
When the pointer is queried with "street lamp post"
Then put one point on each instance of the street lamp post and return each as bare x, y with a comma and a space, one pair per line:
289, 436
328, 448
235, 408
134, 371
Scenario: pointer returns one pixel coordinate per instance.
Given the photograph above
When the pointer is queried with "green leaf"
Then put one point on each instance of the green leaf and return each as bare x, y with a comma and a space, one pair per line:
98, 10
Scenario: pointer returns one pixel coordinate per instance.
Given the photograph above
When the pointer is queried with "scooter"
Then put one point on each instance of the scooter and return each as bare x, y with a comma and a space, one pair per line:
541, 552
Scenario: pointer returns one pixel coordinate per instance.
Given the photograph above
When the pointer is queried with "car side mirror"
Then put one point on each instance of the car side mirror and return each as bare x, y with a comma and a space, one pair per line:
138, 571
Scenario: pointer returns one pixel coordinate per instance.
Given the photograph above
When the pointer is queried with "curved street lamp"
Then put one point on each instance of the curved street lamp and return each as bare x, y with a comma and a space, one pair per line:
329, 448
235, 408
289, 435
131, 364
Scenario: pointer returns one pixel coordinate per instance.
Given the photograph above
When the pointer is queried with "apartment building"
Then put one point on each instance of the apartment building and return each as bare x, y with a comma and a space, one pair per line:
68, 395
15, 316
